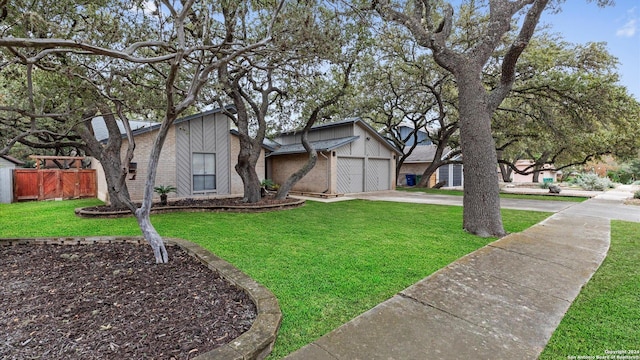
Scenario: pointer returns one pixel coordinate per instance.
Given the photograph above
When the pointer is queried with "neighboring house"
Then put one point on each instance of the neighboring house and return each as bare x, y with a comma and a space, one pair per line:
352, 158
546, 175
7, 163
422, 156
198, 158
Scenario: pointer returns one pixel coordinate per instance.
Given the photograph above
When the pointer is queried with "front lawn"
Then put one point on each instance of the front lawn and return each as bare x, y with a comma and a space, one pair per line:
326, 263
606, 314
549, 197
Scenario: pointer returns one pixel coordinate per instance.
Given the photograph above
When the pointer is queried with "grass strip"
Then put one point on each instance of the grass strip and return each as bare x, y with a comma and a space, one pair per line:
605, 317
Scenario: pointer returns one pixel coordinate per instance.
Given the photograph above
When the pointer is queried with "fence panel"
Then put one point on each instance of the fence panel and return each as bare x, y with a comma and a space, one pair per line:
54, 183
25, 184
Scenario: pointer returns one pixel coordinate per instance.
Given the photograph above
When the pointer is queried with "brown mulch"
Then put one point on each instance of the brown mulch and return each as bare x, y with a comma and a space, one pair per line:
111, 301
231, 201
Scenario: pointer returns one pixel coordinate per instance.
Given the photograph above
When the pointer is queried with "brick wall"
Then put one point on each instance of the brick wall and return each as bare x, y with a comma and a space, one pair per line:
166, 172
317, 180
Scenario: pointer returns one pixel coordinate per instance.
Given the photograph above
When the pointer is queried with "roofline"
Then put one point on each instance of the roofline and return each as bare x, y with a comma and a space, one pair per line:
354, 120
235, 132
347, 140
12, 159
155, 127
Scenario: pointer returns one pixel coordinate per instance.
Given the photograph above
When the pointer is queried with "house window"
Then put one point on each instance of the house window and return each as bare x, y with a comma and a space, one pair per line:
204, 172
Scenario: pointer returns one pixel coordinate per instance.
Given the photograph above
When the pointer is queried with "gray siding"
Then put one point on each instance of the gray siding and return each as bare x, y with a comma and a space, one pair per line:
6, 185
207, 135
321, 134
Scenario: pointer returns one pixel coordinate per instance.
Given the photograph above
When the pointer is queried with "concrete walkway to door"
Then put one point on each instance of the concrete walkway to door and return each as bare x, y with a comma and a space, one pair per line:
502, 301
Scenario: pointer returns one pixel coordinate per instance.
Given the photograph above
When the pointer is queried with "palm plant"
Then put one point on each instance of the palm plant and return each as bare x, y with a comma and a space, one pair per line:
163, 190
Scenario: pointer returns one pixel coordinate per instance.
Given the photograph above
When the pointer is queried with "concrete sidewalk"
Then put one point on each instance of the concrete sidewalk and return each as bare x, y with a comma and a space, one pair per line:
502, 301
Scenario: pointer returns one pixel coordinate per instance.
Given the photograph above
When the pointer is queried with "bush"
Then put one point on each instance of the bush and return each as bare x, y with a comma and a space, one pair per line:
636, 195
592, 182
544, 185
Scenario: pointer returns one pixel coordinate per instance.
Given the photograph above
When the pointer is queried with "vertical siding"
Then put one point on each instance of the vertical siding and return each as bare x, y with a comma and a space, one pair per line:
196, 135
222, 149
209, 139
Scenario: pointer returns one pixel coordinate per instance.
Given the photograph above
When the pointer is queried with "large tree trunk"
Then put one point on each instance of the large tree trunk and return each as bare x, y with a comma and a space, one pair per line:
481, 189
108, 155
246, 168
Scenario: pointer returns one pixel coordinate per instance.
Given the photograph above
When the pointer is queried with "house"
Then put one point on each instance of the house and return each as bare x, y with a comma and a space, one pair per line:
422, 156
7, 164
352, 158
198, 158
547, 173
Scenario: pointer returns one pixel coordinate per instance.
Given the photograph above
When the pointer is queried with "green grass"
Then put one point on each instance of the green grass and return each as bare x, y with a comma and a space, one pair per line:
606, 313
326, 263
502, 195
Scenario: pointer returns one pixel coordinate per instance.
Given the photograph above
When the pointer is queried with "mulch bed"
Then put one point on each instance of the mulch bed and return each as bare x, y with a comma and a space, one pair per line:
111, 301
266, 203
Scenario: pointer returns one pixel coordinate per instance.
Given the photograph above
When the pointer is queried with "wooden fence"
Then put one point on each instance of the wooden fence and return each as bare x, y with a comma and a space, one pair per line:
42, 184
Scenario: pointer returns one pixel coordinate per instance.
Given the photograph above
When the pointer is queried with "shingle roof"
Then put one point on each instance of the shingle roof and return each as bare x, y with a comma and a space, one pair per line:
101, 132
320, 145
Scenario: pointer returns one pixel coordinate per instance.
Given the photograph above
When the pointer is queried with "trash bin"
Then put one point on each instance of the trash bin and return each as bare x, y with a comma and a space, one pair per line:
411, 179
418, 178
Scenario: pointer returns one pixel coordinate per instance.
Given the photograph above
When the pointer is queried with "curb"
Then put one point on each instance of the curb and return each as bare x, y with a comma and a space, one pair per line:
256, 343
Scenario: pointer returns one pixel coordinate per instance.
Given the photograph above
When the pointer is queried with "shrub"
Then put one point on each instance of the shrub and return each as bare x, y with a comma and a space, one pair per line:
636, 195
544, 185
592, 182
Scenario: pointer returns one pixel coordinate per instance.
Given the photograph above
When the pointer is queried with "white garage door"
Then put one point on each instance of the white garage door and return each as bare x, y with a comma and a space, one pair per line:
350, 175
377, 177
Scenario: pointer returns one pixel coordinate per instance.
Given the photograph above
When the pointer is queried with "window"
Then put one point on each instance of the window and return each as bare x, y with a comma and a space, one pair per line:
204, 172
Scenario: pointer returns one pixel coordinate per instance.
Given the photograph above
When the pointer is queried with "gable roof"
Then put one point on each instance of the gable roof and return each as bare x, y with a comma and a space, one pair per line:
12, 159
141, 127
320, 145
350, 121
426, 154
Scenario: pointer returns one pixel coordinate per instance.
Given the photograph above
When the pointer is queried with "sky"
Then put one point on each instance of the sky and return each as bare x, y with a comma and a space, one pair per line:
581, 21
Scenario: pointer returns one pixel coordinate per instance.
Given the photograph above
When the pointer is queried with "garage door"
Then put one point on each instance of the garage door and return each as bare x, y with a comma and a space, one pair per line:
350, 175
377, 177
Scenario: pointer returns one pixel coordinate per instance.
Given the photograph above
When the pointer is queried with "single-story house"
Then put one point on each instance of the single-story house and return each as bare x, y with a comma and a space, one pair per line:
352, 157
198, 157
547, 174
